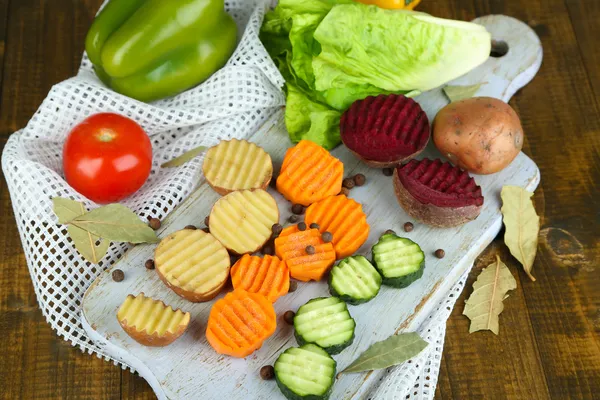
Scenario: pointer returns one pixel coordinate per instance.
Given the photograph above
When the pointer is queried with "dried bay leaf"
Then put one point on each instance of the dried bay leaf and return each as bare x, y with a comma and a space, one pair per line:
489, 290
85, 243
392, 351
66, 210
456, 93
522, 225
116, 222
185, 157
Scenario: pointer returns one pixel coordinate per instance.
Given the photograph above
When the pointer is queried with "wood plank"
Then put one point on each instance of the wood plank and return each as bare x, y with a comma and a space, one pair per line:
44, 41
563, 304
481, 364
134, 387
585, 15
3, 24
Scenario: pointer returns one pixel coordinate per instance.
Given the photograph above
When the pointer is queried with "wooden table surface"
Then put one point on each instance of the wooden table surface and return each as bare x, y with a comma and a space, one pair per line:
549, 342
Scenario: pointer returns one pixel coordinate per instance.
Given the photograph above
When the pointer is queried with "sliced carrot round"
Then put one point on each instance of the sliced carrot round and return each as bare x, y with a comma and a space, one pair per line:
240, 322
309, 173
291, 246
266, 275
344, 219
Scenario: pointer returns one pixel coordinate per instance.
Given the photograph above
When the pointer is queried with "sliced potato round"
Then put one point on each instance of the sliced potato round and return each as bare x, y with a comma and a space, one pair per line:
151, 322
193, 264
237, 165
242, 220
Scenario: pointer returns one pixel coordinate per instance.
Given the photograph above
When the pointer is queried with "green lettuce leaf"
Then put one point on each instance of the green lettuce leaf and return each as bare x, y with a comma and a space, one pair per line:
394, 50
334, 52
306, 118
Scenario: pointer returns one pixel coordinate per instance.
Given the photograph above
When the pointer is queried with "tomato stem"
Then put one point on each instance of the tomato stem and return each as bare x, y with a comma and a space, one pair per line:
106, 135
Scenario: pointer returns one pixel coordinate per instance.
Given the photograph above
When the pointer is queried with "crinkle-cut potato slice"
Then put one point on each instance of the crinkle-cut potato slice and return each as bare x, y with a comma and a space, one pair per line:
291, 245
237, 165
151, 322
193, 264
309, 173
242, 220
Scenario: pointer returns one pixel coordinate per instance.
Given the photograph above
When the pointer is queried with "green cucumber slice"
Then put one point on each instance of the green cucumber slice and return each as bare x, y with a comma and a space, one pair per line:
354, 280
326, 322
305, 373
400, 261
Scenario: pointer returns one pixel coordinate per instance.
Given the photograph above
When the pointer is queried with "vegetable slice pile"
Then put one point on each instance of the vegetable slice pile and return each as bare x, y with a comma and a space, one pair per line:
399, 260
151, 322
291, 246
242, 220
240, 322
309, 173
354, 280
325, 321
193, 264
305, 372
237, 165
344, 219
268, 276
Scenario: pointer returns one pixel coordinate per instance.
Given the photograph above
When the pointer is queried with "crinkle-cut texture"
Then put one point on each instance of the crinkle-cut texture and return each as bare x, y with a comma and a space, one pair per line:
385, 129
237, 165
439, 183
266, 275
242, 220
151, 322
233, 103
193, 264
309, 173
291, 246
344, 219
240, 322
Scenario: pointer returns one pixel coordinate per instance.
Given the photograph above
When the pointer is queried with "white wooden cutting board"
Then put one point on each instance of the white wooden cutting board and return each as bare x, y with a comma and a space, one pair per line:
190, 369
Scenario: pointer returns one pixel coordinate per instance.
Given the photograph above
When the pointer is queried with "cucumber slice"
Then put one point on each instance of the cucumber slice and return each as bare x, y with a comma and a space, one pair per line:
326, 322
305, 372
400, 261
354, 280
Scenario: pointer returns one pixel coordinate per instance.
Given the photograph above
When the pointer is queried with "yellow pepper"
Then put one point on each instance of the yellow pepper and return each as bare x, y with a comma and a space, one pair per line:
393, 4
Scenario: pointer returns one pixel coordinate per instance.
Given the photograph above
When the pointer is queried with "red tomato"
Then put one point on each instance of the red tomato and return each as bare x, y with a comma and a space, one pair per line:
107, 157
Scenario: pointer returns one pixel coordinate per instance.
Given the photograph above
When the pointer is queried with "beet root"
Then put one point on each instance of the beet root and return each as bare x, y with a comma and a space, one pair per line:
437, 193
386, 130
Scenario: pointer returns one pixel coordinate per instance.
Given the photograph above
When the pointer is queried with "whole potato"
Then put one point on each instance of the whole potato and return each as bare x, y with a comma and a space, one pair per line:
481, 134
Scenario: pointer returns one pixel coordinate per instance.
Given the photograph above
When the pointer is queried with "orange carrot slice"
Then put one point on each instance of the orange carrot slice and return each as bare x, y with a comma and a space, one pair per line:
268, 276
240, 322
344, 219
309, 173
291, 246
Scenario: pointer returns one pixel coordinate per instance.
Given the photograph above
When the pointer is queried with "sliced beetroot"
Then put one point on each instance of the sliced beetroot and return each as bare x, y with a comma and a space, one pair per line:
437, 192
385, 130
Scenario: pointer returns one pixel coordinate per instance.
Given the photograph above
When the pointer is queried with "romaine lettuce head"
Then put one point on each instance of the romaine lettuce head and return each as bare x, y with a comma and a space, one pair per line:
394, 50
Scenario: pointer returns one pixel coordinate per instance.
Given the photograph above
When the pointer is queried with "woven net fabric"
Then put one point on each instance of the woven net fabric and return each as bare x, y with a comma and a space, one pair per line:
233, 103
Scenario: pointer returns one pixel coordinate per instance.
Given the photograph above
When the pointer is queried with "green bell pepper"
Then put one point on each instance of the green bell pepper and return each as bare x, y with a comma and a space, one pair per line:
152, 49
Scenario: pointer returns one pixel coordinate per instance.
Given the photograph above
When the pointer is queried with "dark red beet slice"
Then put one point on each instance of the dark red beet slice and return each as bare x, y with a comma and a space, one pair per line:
385, 130
437, 192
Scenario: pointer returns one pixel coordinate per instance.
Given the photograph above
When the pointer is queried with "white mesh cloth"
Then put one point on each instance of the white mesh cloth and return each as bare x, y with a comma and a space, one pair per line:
234, 102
